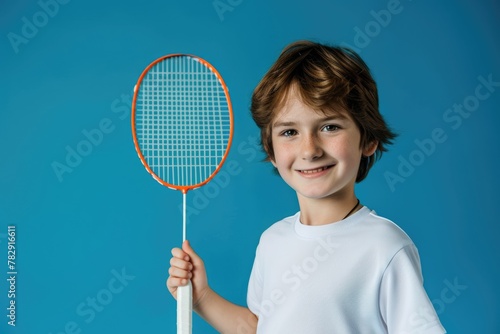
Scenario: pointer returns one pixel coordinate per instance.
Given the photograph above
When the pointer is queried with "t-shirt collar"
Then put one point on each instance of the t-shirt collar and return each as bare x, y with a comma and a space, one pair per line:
310, 231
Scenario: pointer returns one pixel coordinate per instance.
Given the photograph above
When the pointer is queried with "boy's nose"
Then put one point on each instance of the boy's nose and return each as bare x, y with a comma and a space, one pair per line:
311, 148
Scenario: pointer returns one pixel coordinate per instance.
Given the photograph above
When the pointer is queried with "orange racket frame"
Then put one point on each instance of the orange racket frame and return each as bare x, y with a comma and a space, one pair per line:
183, 189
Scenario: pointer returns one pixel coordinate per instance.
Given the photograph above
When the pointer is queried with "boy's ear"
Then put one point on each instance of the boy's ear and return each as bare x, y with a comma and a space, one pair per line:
370, 148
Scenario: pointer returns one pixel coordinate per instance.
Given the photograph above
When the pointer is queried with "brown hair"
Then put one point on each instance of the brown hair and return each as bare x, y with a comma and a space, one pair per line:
326, 78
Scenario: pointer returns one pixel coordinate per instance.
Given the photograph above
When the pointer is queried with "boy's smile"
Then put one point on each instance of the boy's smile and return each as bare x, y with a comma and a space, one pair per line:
314, 172
316, 153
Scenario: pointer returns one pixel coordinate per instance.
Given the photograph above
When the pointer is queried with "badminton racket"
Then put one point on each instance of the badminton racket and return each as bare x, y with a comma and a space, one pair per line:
182, 126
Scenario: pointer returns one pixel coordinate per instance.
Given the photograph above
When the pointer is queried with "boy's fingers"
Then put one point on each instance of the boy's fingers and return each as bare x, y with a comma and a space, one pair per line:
175, 282
180, 254
179, 273
181, 264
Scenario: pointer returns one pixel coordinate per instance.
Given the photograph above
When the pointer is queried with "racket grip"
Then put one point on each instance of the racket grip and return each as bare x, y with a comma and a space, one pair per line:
184, 309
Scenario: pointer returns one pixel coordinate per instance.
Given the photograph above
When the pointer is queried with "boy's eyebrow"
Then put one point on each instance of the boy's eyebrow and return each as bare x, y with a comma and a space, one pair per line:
324, 119
283, 124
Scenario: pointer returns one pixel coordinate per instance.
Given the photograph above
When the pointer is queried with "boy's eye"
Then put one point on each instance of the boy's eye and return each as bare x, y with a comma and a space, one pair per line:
330, 128
289, 133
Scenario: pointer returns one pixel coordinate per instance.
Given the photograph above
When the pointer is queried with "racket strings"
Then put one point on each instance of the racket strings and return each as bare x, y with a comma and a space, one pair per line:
182, 121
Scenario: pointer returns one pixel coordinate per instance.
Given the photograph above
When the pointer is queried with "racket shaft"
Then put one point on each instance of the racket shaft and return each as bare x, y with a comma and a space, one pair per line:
184, 309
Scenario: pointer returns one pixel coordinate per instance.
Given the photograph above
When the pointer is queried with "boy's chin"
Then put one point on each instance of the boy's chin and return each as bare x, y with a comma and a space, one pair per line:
315, 195
325, 193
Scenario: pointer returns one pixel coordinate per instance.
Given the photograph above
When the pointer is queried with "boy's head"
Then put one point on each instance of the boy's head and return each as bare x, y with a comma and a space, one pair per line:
326, 79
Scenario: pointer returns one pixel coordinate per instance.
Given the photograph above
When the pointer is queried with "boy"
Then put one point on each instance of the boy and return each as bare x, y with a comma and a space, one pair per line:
335, 266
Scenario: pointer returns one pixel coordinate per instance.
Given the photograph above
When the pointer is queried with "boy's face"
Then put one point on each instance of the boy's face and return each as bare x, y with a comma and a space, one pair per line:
318, 155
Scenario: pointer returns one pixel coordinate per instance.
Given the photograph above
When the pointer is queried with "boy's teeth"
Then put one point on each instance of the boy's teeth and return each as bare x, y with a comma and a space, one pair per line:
313, 170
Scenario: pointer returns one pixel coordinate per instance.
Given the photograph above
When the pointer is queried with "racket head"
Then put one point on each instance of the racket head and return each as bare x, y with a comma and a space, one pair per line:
182, 121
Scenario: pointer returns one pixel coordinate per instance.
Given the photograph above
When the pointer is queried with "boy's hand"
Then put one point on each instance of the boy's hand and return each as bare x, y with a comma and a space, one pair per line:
185, 264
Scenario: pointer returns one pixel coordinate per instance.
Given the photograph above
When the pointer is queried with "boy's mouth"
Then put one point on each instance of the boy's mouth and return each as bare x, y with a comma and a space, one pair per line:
316, 170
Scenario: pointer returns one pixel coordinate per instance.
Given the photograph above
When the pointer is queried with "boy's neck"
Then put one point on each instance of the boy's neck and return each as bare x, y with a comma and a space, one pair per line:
327, 210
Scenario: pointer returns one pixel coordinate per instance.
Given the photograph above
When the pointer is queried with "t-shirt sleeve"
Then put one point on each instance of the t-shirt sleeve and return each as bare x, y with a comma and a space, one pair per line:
404, 304
255, 286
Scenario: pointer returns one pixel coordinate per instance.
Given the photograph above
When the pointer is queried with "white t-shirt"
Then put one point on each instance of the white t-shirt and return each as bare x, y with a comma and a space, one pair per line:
360, 275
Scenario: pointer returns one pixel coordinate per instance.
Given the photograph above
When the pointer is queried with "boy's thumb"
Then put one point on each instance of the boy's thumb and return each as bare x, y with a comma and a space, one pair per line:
186, 246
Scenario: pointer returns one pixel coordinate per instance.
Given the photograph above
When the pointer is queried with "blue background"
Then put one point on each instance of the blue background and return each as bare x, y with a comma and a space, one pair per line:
74, 73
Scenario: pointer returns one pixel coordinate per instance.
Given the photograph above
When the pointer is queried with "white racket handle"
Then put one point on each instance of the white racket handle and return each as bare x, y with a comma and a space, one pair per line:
185, 309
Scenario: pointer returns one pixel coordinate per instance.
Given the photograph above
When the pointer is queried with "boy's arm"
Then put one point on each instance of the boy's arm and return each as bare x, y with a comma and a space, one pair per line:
224, 316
